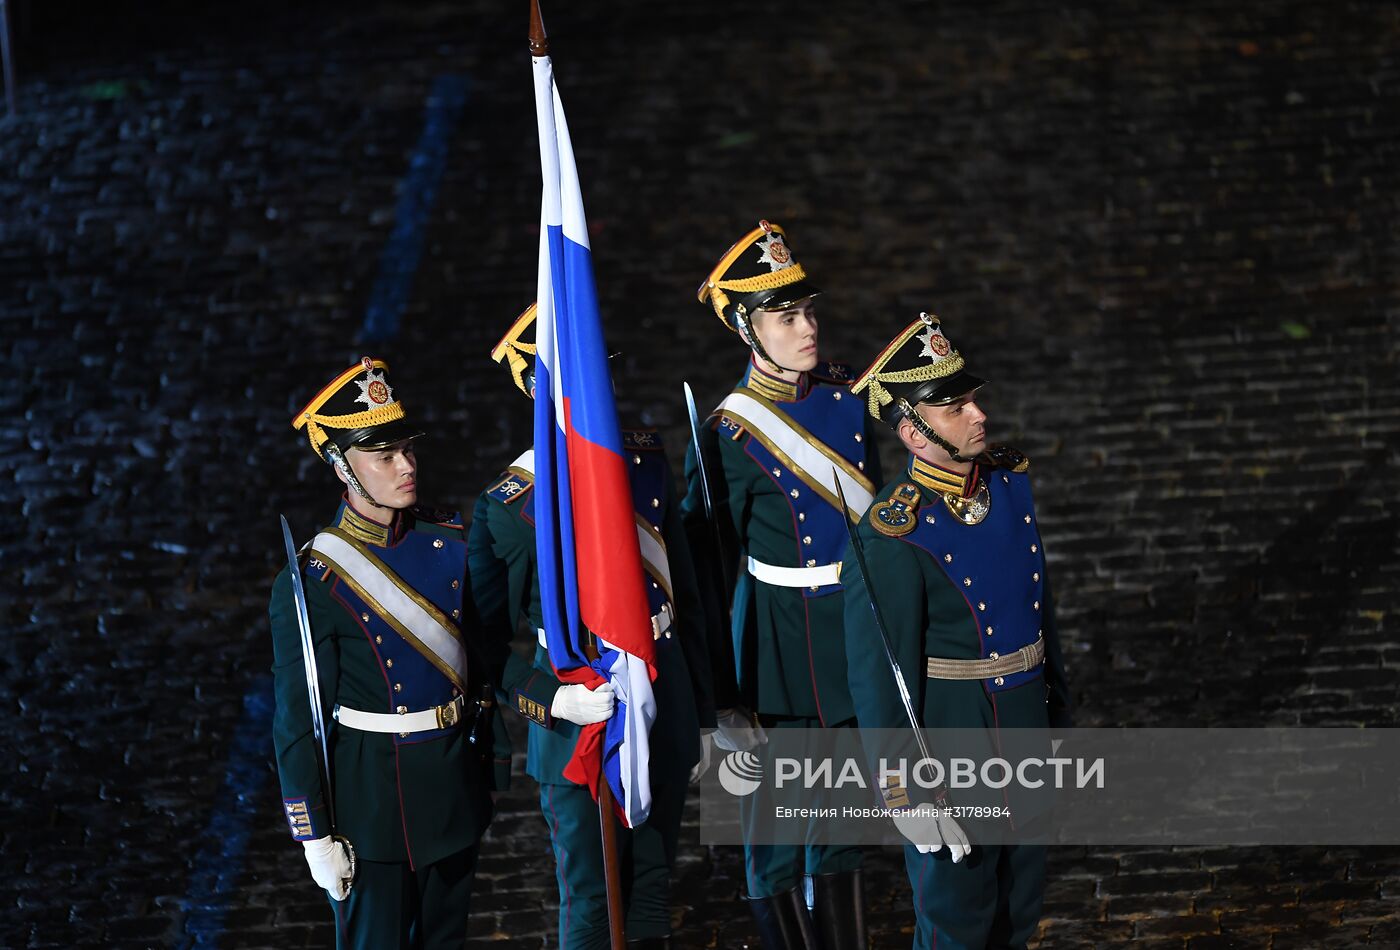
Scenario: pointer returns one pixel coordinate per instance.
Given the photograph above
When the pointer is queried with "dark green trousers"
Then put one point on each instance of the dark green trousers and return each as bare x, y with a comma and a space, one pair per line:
992, 898
393, 906
645, 856
778, 868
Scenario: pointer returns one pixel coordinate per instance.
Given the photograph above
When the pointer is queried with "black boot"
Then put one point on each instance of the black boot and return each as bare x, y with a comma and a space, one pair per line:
783, 922
650, 943
838, 911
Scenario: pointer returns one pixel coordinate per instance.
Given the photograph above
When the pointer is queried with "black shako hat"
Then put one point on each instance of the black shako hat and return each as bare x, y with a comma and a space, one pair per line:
758, 273
519, 357
918, 365
356, 410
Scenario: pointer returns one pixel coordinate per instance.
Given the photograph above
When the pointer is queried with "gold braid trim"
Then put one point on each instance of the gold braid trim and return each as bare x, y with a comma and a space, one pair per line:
356, 420
511, 353
748, 285
879, 397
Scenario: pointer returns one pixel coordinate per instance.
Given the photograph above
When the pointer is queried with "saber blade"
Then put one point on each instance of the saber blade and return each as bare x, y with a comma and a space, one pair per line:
859, 550
699, 455
308, 656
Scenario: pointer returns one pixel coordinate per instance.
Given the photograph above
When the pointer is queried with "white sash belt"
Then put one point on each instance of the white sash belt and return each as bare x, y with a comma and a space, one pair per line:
404, 609
439, 717
818, 576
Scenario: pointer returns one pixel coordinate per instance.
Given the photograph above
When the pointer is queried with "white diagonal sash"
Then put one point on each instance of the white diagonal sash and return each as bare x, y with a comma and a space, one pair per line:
653, 548
808, 457
411, 614
654, 559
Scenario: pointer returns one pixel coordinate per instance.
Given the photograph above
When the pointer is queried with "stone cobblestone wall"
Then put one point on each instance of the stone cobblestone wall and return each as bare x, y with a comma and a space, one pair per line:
1166, 233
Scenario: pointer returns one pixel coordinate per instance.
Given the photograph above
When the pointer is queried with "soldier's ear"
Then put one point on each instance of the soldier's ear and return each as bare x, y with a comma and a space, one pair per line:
911, 437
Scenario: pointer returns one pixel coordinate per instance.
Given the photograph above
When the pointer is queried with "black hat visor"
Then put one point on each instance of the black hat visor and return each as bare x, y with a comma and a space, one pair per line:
780, 298
375, 437
939, 392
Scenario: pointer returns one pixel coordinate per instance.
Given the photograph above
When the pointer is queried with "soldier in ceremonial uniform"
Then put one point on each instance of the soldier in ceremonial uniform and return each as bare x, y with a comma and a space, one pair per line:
502, 546
406, 673
773, 450
957, 568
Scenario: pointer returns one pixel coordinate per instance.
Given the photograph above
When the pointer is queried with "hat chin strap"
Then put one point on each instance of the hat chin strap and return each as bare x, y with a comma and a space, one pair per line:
921, 426
342, 465
746, 333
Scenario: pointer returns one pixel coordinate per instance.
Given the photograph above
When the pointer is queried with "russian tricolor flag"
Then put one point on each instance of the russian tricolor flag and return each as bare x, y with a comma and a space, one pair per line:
590, 567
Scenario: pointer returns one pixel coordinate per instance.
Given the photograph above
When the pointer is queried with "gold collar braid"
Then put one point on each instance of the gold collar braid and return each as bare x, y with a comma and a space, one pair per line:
355, 420
749, 285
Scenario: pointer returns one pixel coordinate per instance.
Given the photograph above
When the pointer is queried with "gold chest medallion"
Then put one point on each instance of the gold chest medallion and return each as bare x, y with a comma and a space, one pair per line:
970, 510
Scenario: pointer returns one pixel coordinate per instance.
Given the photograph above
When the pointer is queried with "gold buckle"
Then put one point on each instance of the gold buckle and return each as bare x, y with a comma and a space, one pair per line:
448, 715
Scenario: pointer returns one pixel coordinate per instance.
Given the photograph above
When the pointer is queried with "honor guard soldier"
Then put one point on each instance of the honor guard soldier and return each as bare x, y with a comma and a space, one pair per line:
957, 569
405, 674
503, 564
773, 450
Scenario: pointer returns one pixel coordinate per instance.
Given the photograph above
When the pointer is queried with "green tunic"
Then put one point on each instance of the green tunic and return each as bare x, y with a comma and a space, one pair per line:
788, 646
414, 800
503, 561
502, 552
951, 590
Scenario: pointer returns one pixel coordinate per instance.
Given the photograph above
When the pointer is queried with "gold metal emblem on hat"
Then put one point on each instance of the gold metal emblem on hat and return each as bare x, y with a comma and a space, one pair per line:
775, 252
936, 345
375, 390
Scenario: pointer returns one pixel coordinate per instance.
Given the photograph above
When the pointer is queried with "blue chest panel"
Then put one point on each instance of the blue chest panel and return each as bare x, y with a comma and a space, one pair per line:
997, 565
837, 419
436, 567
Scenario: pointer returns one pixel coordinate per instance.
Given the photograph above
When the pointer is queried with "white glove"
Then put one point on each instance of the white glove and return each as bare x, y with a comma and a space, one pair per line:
929, 830
707, 741
332, 866
737, 732
579, 704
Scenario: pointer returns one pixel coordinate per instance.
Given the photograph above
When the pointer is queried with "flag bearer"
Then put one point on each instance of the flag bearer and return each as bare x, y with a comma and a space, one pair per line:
503, 563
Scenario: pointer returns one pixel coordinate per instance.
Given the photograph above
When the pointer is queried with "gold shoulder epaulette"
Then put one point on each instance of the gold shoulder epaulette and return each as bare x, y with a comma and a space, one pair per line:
896, 516
1004, 456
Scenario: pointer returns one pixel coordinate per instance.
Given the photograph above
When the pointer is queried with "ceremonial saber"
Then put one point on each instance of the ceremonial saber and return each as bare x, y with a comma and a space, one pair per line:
699, 453
721, 653
859, 551
313, 686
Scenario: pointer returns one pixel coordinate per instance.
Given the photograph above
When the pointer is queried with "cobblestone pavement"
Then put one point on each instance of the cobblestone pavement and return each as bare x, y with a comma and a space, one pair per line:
1167, 232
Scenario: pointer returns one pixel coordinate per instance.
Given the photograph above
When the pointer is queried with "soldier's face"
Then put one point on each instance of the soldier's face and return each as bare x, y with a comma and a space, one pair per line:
789, 335
961, 422
390, 474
